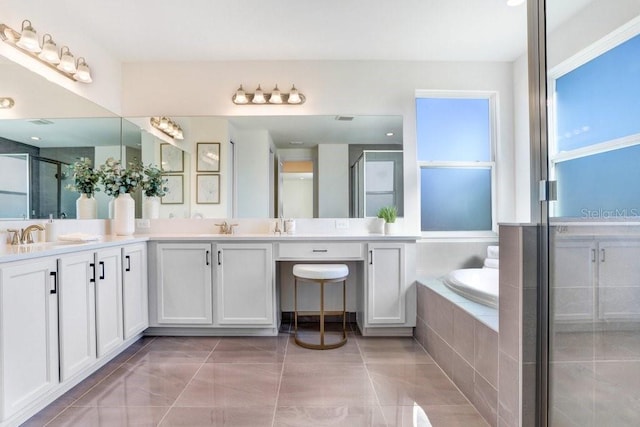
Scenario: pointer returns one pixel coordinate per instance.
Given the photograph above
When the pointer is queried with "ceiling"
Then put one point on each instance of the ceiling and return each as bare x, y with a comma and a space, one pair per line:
216, 30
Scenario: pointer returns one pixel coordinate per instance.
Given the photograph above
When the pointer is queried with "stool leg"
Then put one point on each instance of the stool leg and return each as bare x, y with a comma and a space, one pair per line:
322, 313
344, 308
295, 306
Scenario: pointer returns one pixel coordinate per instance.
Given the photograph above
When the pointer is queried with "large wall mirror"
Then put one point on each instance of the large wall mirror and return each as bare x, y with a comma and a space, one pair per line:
265, 166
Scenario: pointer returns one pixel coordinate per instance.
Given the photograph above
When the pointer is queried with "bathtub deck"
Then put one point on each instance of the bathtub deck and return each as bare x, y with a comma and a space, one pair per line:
484, 314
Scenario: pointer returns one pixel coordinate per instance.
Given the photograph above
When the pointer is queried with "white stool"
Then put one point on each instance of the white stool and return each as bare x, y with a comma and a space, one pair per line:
321, 274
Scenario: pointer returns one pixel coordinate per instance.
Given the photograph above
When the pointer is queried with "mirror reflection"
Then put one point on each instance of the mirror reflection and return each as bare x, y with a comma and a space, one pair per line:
275, 166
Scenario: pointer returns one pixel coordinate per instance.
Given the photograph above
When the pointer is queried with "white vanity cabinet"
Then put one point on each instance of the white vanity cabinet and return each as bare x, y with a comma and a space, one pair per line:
77, 318
134, 289
109, 331
245, 292
182, 286
595, 279
28, 333
385, 290
90, 324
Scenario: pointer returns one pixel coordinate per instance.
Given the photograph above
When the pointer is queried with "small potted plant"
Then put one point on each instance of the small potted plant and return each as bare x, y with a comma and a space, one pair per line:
120, 182
85, 182
153, 187
389, 214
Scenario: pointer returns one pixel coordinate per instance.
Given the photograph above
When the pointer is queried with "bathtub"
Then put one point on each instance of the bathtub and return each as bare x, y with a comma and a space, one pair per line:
477, 284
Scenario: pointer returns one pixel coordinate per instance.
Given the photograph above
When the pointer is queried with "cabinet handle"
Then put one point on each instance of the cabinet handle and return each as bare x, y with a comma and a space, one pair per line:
219, 258
54, 274
601, 255
102, 268
93, 268
206, 257
128, 258
370, 257
320, 250
593, 255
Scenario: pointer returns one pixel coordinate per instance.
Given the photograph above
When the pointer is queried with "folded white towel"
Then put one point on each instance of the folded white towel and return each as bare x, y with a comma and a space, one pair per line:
491, 263
78, 237
493, 252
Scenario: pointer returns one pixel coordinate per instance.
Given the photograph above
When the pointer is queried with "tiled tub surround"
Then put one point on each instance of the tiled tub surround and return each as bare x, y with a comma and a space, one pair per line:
462, 337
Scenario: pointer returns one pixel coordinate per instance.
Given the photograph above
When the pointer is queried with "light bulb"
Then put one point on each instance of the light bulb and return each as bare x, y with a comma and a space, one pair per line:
275, 98
28, 38
294, 96
67, 61
258, 97
49, 50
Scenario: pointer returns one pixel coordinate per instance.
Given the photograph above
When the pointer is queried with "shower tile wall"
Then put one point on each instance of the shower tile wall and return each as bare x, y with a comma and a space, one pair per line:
465, 348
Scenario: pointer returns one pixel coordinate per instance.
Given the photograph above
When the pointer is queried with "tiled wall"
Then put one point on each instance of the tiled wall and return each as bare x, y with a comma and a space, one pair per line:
465, 348
517, 317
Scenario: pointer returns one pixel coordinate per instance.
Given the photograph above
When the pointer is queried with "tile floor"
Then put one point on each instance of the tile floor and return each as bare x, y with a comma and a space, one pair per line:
265, 381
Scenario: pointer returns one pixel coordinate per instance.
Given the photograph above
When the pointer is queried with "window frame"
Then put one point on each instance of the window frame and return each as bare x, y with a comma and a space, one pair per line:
492, 97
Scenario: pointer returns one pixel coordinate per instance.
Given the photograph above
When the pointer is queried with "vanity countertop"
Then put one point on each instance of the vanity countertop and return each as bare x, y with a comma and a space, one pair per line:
35, 250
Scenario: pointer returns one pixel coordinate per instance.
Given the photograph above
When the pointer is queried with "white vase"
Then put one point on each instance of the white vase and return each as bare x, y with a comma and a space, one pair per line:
110, 205
390, 228
377, 226
151, 208
124, 215
86, 207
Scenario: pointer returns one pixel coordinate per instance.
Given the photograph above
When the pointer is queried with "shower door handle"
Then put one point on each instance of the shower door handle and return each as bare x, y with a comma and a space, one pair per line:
602, 255
593, 255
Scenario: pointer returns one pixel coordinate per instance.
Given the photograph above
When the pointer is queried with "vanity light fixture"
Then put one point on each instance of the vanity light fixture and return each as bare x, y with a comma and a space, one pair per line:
26, 41
276, 97
7, 103
167, 126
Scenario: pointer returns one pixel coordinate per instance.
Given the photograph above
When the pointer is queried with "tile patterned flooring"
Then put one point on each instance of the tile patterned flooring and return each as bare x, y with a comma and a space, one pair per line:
265, 381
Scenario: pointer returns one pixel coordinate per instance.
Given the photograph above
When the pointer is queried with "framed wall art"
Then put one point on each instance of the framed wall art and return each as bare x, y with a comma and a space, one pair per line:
171, 158
208, 159
207, 189
175, 190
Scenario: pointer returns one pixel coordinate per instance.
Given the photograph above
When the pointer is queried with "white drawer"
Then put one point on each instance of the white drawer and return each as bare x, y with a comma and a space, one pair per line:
320, 250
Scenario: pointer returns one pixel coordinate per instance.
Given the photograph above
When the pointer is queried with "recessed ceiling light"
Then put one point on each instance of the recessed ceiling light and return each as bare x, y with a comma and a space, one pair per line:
35, 138
389, 133
296, 143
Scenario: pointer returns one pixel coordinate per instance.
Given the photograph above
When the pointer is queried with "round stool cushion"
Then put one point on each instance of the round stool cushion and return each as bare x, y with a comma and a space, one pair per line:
320, 271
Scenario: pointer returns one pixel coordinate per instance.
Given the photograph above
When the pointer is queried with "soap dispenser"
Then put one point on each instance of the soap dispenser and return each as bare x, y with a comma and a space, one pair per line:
51, 230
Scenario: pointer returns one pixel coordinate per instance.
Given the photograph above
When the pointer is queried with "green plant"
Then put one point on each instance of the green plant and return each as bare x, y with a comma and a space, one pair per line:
120, 180
388, 213
85, 178
153, 184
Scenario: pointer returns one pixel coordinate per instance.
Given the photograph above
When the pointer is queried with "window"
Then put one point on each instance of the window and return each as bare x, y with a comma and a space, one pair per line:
456, 136
595, 143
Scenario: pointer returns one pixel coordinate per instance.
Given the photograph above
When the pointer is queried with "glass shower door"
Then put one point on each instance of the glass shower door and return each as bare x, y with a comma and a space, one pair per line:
593, 86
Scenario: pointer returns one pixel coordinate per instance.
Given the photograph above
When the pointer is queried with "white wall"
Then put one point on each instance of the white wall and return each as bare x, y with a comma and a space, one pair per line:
252, 158
48, 17
333, 180
522, 146
331, 87
298, 197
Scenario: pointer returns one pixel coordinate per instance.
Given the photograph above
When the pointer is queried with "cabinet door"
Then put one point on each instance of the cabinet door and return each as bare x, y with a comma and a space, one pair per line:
619, 280
109, 334
244, 284
184, 285
28, 333
134, 289
572, 269
77, 318
385, 286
